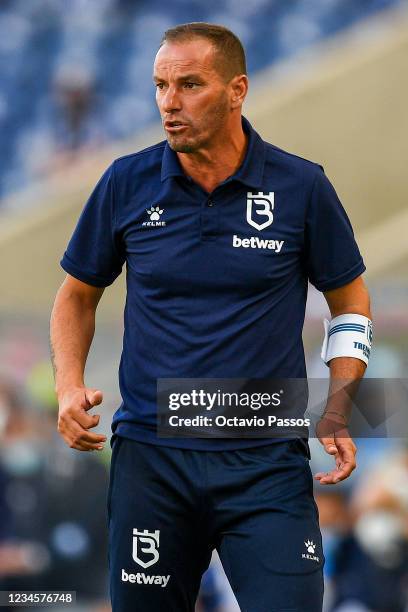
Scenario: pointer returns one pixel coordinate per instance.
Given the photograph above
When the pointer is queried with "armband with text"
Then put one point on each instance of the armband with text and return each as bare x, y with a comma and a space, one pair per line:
348, 335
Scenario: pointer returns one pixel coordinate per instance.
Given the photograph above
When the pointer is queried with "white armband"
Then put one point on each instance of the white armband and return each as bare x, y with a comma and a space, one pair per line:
348, 335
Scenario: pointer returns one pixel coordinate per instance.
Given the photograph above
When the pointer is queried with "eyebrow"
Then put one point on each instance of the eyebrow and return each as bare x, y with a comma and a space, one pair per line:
185, 77
190, 77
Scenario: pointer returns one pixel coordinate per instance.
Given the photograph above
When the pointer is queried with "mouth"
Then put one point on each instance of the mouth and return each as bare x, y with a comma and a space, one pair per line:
174, 126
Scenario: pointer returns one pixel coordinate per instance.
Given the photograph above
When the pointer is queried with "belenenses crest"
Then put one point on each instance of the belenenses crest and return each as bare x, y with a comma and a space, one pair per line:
370, 332
259, 209
145, 547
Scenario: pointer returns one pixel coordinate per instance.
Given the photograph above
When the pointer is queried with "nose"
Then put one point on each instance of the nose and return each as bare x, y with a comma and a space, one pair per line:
170, 100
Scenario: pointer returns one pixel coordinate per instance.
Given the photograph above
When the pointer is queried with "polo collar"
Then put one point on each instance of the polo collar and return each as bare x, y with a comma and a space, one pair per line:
250, 172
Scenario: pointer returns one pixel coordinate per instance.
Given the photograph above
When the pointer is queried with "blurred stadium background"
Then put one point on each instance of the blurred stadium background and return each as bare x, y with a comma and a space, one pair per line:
329, 81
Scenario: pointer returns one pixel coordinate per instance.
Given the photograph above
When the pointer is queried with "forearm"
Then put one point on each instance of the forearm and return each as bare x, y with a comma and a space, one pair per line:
346, 372
71, 332
345, 375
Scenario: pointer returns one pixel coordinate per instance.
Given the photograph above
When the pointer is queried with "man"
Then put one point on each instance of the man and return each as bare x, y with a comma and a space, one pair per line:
206, 297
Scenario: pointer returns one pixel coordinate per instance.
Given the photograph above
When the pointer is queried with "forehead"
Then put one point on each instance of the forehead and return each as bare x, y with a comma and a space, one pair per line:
197, 55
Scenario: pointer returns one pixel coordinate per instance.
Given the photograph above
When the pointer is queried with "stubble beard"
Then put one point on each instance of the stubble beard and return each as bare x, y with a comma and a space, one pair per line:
215, 117
179, 146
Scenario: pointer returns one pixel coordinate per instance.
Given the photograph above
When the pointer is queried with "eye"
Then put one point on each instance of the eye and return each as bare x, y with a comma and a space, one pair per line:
159, 85
190, 85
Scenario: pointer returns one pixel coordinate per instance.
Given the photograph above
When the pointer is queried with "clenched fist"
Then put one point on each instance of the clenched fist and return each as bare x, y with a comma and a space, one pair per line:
74, 421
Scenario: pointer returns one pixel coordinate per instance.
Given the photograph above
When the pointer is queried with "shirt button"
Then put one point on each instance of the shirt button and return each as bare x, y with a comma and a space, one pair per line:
210, 203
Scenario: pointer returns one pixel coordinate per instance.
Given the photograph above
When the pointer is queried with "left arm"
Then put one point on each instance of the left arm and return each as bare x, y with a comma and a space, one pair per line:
352, 298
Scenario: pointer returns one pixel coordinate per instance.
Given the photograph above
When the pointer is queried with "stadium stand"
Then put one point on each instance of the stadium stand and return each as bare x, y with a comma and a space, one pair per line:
77, 78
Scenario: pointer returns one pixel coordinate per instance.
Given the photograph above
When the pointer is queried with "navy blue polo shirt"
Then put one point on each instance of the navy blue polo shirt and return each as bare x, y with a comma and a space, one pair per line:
216, 283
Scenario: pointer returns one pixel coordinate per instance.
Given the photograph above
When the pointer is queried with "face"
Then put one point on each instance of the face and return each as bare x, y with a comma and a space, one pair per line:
193, 98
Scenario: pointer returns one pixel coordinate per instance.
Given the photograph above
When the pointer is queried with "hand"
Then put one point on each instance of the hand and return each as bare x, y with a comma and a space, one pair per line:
74, 422
334, 436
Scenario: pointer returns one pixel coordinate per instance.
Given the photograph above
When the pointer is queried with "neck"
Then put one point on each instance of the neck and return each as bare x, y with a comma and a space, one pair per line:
213, 164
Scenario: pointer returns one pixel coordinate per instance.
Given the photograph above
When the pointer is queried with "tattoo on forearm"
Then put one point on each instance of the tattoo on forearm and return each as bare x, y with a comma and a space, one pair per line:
52, 352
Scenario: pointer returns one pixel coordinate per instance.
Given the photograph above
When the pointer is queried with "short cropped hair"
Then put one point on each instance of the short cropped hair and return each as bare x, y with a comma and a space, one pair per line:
230, 54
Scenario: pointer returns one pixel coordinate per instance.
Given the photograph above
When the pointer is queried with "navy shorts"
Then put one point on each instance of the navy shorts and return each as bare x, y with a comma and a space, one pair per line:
168, 508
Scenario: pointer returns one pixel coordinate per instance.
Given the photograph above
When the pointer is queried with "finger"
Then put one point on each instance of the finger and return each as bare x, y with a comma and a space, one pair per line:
70, 419
73, 433
85, 446
325, 477
346, 445
331, 477
93, 397
91, 438
77, 441
346, 459
345, 470
344, 467
336, 475
87, 421
329, 444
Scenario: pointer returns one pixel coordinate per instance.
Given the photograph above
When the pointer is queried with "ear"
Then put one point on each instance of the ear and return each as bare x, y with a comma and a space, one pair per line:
239, 90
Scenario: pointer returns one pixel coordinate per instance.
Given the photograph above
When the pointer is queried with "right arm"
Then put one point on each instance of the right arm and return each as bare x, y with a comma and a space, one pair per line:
71, 332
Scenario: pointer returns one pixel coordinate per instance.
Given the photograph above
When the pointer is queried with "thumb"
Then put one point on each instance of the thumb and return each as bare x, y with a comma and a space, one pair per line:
93, 396
329, 445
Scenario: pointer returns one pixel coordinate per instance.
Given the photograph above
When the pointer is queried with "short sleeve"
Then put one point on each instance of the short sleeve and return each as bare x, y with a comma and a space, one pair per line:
94, 253
332, 255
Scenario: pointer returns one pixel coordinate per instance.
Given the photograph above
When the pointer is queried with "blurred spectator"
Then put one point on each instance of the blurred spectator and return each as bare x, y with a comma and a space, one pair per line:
77, 124
370, 566
386, 485
36, 38
55, 499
